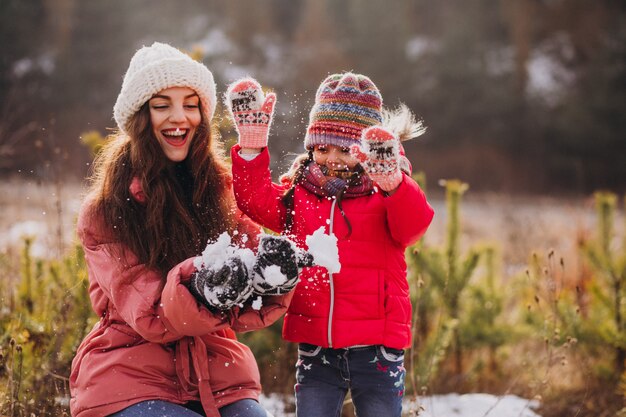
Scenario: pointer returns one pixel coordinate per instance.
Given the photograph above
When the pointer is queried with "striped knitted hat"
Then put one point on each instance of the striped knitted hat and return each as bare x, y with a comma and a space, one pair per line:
345, 104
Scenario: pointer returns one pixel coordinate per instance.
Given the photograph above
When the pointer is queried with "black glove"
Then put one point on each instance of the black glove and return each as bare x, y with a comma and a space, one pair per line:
277, 266
222, 287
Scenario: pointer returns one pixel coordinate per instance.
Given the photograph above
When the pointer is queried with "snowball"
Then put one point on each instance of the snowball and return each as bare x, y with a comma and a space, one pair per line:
324, 249
273, 276
216, 254
257, 303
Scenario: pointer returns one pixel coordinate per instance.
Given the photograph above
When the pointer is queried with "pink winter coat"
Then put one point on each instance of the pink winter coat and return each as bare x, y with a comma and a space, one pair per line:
154, 340
367, 302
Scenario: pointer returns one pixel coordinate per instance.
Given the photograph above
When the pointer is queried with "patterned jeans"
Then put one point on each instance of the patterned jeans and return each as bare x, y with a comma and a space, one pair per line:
373, 374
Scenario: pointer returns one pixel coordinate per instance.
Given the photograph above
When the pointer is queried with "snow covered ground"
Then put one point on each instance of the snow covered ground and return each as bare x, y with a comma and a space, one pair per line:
449, 405
474, 405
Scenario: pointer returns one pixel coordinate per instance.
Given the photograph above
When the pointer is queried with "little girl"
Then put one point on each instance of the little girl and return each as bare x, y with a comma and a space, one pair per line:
353, 325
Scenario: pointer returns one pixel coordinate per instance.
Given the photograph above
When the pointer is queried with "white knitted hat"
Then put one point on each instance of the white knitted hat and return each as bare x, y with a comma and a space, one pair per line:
155, 68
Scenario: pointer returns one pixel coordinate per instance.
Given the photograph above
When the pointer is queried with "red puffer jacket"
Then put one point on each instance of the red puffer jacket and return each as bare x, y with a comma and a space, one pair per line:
154, 340
367, 302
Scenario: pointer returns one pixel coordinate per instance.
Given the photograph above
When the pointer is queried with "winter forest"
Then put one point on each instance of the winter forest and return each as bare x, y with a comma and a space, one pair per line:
518, 289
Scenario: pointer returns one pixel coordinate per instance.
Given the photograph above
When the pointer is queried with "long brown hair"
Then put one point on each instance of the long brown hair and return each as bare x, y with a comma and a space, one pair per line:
181, 212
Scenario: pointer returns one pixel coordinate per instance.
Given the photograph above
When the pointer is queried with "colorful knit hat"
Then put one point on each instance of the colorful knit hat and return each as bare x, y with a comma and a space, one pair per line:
155, 68
345, 104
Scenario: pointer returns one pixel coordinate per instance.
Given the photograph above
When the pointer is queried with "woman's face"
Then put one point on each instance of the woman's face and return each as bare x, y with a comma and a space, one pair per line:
175, 115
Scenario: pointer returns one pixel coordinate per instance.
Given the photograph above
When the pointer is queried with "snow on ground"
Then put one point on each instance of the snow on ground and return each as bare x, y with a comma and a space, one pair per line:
449, 405
474, 405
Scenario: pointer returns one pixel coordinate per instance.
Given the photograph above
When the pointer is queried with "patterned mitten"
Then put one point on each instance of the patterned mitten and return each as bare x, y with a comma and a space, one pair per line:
277, 266
223, 287
251, 112
379, 154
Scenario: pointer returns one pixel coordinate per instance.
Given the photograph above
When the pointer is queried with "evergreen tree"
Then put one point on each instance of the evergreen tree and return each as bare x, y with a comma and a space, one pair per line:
449, 271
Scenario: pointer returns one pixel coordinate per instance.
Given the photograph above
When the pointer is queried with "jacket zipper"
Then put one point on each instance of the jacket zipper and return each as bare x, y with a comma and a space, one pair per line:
330, 279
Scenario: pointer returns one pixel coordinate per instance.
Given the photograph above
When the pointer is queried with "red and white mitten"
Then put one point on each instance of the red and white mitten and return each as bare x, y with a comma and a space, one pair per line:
379, 154
251, 111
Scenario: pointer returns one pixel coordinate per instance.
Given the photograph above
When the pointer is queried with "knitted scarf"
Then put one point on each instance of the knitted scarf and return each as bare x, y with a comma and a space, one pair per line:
324, 183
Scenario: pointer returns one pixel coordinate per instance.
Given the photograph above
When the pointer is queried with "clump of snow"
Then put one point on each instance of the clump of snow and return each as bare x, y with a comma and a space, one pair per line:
275, 404
273, 276
324, 249
257, 303
216, 254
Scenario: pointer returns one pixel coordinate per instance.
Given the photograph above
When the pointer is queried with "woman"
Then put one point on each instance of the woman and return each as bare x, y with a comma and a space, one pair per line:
160, 192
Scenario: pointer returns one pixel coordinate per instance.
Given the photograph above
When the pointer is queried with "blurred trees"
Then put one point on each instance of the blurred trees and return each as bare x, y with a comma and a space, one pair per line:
518, 95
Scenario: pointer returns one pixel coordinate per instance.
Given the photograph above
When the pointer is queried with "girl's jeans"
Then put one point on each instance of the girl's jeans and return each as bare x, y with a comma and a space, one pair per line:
158, 408
373, 374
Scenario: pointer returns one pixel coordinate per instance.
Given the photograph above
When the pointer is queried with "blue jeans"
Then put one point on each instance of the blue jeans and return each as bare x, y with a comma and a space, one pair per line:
158, 408
373, 374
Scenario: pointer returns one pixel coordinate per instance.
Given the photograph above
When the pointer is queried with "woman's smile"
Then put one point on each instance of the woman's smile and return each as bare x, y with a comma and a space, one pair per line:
175, 115
175, 137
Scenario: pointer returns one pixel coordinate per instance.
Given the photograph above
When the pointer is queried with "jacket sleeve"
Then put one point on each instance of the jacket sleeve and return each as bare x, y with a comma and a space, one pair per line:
118, 281
256, 195
190, 317
408, 212
184, 313
250, 318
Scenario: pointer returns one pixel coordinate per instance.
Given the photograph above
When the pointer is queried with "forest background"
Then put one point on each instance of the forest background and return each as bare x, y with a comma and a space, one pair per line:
524, 100
518, 95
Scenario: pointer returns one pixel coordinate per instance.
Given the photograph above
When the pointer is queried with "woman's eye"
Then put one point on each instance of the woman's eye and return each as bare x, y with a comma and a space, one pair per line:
191, 106
159, 106
345, 150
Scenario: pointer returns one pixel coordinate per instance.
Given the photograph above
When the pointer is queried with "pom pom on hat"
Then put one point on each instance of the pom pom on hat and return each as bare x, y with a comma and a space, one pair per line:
345, 104
155, 68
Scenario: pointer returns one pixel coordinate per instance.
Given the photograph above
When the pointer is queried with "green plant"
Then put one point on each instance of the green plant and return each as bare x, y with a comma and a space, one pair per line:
50, 316
608, 261
449, 272
432, 332
482, 325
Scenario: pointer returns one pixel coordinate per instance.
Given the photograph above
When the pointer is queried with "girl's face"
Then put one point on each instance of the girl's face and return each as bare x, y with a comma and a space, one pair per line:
175, 115
333, 157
